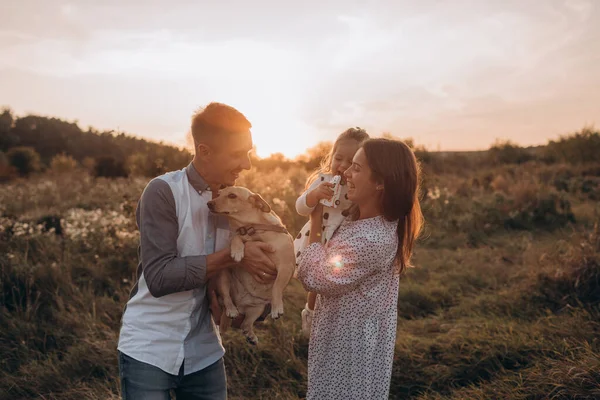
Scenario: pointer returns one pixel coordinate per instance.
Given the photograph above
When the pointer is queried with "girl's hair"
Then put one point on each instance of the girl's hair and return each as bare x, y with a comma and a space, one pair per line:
394, 164
358, 134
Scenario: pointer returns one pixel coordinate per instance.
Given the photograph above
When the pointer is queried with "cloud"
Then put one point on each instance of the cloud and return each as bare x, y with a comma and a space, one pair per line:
441, 70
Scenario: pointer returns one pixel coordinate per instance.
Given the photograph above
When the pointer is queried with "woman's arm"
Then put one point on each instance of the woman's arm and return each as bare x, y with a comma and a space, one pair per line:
338, 269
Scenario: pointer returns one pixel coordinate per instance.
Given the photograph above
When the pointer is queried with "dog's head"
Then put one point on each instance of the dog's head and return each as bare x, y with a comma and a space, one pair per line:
238, 200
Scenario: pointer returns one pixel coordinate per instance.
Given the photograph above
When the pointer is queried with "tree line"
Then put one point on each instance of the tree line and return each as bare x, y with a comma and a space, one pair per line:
34, 143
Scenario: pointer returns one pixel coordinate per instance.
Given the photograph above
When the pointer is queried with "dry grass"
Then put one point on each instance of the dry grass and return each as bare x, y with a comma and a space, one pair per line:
502, 305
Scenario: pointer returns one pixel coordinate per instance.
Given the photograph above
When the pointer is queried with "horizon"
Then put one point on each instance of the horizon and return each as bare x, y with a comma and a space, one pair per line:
190, 148
453, 77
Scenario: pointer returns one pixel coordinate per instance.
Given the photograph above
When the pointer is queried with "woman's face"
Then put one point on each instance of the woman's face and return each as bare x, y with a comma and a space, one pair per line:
361, 186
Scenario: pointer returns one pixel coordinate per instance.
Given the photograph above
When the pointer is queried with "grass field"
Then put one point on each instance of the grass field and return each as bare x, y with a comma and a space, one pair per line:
503, 302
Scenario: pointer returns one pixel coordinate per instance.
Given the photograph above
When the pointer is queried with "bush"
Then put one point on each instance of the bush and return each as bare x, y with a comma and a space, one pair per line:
109, 167
546, 210
24, 159
506, 152
582, 147
6, 170
140, 164
89, 164
63, 163
577, 281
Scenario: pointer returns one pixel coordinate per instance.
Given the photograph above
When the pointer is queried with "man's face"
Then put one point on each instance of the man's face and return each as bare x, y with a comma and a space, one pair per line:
225, 161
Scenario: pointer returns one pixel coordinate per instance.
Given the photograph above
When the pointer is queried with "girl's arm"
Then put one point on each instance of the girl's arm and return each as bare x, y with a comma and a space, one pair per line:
316, 224
305, 205
301, 207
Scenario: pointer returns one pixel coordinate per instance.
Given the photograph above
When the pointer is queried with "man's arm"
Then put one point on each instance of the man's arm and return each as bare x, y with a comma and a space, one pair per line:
164, 271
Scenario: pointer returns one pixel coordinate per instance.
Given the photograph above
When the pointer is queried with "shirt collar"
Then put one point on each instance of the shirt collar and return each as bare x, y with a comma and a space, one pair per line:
197, 182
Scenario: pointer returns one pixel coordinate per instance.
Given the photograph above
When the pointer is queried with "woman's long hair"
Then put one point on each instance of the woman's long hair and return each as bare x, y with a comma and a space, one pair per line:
358, 134
394, 164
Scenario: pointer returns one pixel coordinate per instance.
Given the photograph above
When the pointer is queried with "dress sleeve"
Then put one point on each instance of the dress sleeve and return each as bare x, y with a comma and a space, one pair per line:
337, 269
301, 207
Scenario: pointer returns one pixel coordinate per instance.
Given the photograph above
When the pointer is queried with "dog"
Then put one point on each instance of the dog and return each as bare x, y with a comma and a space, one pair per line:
251, 218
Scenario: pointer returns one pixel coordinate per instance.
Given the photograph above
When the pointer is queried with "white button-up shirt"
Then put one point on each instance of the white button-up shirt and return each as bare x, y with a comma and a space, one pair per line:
167, 322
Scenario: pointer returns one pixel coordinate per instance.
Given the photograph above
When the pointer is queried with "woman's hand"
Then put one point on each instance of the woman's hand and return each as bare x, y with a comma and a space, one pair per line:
257, 262
323, 191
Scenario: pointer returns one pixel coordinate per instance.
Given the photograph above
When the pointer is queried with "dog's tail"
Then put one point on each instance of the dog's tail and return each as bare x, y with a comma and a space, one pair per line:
224, 323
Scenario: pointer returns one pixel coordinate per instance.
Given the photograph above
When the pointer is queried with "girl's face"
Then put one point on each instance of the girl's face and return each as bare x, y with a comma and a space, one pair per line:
362, 189
341, 159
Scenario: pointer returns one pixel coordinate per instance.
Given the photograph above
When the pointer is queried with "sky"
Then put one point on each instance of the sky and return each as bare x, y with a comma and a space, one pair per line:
452, 75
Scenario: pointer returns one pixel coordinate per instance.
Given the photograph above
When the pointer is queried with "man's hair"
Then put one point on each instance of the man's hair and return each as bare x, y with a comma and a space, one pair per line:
216, 121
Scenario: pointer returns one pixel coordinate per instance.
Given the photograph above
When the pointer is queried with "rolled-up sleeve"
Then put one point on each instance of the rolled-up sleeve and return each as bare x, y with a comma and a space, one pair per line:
301, 207
163, 270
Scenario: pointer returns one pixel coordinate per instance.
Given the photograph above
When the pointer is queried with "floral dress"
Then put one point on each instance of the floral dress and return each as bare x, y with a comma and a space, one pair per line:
351, 347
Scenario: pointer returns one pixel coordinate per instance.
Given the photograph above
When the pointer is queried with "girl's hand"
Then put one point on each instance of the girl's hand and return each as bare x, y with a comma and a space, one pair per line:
323, 191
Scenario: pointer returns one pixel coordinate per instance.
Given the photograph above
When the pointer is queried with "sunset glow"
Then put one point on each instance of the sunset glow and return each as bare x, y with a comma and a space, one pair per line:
452, 75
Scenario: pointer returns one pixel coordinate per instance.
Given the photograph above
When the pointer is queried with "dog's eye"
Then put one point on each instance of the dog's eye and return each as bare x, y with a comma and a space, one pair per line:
231, 196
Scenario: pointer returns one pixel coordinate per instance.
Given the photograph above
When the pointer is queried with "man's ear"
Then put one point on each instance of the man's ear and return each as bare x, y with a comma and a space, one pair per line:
259, 203
203, 150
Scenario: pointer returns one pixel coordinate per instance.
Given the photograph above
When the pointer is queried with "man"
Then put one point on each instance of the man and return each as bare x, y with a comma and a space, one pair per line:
168, 339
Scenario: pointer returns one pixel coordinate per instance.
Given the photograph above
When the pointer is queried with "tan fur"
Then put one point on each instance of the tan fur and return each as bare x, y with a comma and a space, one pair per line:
238, 291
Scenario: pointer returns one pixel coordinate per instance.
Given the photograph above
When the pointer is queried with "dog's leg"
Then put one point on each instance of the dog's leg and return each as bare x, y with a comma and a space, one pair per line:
252, 314
224, 288
237, 248
284, 274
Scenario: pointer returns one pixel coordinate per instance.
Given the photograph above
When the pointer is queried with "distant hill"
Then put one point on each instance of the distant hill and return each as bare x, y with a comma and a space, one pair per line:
50, 137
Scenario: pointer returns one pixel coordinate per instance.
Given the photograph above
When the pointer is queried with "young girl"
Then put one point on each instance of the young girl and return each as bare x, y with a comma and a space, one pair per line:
319, 187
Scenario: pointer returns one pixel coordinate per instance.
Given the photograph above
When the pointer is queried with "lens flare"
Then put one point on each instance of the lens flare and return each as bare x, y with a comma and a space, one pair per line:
336, 262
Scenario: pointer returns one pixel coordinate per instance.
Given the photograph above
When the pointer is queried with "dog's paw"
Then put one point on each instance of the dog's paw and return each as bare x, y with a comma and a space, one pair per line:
251, 338
232, 312
237, 253
276, 311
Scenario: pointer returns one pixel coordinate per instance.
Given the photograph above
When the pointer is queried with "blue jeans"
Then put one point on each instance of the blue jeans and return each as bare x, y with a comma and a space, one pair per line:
146, 382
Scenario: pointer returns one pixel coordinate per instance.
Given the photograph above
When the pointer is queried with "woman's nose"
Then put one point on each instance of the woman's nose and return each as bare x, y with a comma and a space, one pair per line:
347, 173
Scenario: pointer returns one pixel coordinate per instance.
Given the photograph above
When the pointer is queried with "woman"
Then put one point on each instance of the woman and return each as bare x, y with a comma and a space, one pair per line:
356, 275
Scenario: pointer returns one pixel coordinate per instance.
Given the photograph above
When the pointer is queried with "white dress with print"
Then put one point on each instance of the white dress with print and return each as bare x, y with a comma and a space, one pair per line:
332, 216
351, 347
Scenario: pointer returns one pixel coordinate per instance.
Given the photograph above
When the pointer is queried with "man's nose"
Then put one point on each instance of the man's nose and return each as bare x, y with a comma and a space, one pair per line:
246, 164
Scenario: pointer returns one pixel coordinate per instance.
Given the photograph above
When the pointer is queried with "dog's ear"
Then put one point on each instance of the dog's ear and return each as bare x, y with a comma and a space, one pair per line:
259, 203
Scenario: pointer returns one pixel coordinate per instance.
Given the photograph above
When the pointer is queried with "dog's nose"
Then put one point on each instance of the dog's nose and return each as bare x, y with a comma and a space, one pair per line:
211, 205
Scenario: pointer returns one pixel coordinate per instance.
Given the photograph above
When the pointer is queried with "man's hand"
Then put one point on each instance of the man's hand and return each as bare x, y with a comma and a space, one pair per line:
257, 263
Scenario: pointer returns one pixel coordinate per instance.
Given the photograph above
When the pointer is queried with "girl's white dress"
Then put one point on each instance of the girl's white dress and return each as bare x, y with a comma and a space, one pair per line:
332, 217
351, 346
